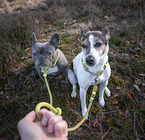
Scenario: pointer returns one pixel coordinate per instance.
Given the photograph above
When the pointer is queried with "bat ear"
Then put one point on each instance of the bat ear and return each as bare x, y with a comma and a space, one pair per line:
55, 39
106, 33
34, 40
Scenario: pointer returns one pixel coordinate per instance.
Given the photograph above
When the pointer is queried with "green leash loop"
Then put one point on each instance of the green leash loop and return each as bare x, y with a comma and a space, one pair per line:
56, 111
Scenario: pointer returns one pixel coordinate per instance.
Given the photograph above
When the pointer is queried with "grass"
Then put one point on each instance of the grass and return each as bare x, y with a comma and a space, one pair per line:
21, 87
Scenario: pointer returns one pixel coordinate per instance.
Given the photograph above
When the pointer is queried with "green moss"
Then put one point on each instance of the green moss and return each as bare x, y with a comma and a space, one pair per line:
118, 81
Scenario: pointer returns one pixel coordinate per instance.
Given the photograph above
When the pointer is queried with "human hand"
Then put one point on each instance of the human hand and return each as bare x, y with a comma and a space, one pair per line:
52, 127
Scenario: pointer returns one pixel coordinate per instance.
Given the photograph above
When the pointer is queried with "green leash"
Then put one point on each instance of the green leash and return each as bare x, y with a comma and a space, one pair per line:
57, 110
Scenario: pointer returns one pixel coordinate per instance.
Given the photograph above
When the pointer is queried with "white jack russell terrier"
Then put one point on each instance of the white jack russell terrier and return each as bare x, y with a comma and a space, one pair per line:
91, 67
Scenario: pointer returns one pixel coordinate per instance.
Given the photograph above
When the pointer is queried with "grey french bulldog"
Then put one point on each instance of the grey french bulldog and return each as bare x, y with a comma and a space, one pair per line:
45, 54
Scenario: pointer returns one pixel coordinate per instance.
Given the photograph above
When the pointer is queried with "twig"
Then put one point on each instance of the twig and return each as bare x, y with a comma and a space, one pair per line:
141, 61
106, 133
134, 121
110, 26
76, 113
55, 29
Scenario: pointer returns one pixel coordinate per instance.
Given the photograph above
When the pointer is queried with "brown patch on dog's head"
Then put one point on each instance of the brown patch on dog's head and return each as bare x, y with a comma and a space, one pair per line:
94, 46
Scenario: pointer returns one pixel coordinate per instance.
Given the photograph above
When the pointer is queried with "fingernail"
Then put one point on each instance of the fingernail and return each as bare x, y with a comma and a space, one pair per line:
44, 121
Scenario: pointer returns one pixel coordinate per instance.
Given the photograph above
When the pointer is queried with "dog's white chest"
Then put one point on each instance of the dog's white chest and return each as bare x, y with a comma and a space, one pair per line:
51, 70
86, 79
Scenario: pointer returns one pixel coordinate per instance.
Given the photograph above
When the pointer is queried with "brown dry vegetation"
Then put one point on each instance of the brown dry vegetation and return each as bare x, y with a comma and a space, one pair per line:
123, 116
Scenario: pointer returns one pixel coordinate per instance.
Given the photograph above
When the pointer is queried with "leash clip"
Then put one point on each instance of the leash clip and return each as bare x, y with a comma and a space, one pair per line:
44, 74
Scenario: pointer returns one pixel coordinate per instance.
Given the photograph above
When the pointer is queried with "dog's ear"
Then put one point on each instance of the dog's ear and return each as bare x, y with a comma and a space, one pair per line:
34, 40
106, 33
55, 39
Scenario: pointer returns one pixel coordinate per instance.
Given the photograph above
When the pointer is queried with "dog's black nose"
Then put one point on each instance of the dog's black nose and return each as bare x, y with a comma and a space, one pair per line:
41, 57
90, 60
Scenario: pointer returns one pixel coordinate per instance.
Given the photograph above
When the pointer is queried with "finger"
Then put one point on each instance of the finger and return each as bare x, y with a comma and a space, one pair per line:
52, 121
42, 111
30, 116
61, 129
45, 116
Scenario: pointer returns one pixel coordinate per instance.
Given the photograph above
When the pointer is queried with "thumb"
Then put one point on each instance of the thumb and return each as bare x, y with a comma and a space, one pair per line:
30, 116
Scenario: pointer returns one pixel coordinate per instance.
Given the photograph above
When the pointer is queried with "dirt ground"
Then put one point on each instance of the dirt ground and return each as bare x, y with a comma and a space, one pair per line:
123, 116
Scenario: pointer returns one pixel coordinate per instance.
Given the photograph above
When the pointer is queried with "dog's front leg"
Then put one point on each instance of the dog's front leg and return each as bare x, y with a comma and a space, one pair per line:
74, 93
64, 79
73, 81
83, 101
103, 85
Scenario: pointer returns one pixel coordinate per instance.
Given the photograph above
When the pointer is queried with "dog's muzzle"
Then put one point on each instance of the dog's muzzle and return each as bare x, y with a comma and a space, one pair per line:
90, 60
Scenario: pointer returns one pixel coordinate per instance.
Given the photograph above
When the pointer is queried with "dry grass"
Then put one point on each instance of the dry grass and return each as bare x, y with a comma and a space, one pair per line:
13, 6
21, 88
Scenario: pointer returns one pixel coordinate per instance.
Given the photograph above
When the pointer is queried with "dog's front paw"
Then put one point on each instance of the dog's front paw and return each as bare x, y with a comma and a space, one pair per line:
84, 113
73, 94
101, 102
107, 92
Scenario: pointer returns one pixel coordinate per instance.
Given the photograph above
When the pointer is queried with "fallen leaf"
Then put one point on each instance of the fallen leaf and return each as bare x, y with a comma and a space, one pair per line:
7, 88
29, 54
20, 67
142, 75
114, 103
105, 17
36, 21
118, 88
1, 92
25, 57
140, 44
27, 49
143, 84
137, 87
7, 97
129, 96
45, 39
137, 55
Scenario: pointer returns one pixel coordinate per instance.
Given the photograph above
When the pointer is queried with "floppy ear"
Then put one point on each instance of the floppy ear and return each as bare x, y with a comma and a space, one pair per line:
106, 33
34, 40
55, 40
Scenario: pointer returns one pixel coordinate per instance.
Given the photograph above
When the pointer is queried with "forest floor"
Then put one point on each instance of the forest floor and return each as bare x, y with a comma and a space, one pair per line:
123, 116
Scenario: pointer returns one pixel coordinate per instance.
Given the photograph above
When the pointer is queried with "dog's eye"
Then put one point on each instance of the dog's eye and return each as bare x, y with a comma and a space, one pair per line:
98, 44
84, 46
